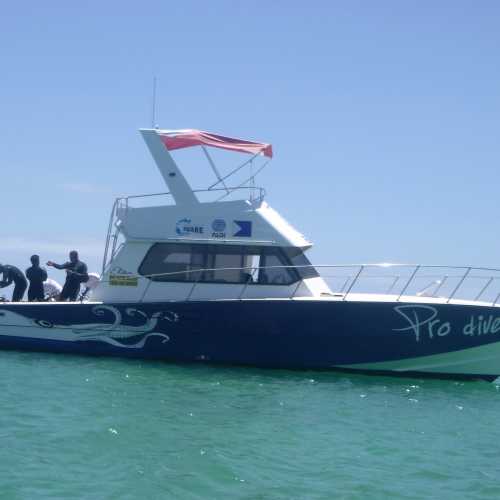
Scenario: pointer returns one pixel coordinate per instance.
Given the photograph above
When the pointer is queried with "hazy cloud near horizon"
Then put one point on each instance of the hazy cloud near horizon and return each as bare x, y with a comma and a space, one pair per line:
84, 188
89, 248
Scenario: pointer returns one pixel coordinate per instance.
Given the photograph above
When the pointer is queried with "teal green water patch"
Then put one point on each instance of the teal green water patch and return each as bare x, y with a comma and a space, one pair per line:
77, 427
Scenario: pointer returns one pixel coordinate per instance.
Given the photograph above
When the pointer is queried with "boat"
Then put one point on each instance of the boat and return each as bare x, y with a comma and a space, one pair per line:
216, 275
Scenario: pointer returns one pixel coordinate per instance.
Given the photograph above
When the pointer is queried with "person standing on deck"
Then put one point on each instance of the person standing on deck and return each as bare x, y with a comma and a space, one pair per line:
13, 274
37, 276
76, 273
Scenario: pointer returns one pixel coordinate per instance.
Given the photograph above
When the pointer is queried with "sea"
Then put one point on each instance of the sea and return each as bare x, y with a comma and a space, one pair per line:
76, 427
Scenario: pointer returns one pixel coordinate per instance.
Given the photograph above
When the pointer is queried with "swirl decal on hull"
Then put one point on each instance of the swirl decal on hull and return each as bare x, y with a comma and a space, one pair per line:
113, 332
138, 345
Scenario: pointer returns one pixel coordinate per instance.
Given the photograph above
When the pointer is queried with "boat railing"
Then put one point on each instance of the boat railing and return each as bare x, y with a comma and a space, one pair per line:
397, 282
254, 193
403, 281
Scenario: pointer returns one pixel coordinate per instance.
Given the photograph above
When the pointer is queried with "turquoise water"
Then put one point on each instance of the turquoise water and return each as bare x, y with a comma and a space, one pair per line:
76, 427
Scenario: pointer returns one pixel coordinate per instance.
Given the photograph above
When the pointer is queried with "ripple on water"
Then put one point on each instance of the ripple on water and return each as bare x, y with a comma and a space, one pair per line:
75, 427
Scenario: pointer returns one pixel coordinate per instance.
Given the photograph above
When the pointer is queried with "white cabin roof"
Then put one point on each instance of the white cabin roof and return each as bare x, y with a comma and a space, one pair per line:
251, 222
233, 222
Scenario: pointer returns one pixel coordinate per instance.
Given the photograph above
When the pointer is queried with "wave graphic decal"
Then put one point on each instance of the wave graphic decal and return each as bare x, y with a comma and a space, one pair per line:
112, 332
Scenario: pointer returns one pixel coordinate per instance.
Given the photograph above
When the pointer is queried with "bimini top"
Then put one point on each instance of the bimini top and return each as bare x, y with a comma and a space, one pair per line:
179, 139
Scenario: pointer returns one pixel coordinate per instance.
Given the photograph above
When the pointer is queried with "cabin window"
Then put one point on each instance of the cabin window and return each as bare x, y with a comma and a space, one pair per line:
183, 264
235, 264
228, 263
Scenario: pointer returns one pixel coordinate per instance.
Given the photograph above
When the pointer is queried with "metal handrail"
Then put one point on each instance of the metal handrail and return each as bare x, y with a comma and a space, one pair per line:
441, 284
323, 266
490, 280
359, 274
408, 282
459, 285
353, 282
326, 266
108, 235
261, 190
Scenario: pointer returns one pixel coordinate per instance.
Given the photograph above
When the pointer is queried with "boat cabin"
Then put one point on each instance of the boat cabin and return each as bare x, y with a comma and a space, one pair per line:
197, 250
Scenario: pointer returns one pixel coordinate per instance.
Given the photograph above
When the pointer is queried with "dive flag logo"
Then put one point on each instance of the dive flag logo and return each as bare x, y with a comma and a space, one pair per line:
243, 228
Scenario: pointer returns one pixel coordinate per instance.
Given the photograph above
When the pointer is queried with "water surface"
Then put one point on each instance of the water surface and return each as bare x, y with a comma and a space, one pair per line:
92, 428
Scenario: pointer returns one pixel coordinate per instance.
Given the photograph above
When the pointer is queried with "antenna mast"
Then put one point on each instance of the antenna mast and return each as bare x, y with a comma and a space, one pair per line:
153, 108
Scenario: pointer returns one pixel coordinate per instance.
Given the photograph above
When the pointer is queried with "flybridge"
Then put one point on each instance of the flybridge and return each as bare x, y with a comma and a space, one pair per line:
247, 221
161, 142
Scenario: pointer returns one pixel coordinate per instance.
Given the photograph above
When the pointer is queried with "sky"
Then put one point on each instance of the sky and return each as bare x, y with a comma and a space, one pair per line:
384, 118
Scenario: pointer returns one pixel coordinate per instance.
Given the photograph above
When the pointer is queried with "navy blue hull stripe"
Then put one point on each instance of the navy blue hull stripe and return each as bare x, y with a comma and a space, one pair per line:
284, 334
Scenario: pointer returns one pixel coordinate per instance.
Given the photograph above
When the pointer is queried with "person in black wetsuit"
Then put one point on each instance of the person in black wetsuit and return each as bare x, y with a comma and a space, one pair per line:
36, 276
13, 274
76, 273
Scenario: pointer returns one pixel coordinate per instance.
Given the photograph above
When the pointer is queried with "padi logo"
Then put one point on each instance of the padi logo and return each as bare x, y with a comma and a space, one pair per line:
186, 227
219, 225
219, 228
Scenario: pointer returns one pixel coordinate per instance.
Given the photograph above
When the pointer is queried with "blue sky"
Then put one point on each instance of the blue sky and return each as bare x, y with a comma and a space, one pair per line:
384, 117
